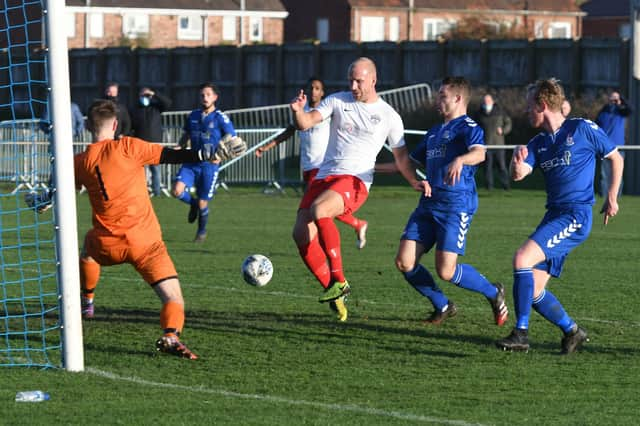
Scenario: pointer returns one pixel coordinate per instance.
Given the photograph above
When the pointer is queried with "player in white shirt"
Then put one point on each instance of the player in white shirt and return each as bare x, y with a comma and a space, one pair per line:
313, 145
361, 123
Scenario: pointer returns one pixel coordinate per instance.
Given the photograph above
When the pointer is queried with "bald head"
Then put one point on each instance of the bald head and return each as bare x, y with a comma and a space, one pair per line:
362, 80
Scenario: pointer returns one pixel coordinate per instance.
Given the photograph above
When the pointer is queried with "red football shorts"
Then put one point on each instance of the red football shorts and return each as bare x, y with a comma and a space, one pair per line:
309, 175
353, 191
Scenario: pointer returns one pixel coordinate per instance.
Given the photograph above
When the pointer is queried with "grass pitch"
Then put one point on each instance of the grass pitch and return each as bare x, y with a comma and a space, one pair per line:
274, 355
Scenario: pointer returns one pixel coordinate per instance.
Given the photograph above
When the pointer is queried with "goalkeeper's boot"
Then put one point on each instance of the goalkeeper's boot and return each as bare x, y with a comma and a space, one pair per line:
361, 234
336, 290
500, 310
201, 237
573, 340
170, 344
87, 308
194, 209
437, 317
338, 306
518, 340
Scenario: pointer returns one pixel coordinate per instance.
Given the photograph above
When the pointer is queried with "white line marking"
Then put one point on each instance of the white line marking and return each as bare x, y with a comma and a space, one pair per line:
281, 400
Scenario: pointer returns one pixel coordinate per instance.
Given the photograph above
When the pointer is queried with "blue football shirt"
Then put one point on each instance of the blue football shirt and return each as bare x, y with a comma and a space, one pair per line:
440, 146
209, 128
567, 159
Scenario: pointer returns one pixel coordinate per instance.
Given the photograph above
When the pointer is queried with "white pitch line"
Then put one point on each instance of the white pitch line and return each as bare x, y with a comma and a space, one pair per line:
281, 400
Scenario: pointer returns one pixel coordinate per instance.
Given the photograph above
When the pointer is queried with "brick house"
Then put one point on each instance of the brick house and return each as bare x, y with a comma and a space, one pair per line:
173, 23
607, 18
399, 20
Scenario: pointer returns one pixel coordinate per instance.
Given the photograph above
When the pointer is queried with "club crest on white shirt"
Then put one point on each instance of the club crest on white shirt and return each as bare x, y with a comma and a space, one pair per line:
375, 119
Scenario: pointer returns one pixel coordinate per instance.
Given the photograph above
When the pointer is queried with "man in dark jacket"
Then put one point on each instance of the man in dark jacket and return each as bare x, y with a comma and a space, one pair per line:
611, 119
146, 124
124, 120
496, 124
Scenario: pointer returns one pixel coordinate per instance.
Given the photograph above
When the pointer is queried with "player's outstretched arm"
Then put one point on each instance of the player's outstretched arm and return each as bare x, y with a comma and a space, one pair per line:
405, 166
303, 119
281, 137
610, 206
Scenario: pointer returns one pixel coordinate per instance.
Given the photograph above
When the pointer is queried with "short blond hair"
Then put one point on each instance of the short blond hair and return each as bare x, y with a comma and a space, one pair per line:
549, 92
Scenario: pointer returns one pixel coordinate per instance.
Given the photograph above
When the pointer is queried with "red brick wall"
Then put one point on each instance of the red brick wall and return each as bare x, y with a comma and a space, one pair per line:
163, 32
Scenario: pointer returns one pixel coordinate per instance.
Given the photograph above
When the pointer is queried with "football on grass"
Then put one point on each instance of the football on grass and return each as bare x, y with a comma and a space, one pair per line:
257, 270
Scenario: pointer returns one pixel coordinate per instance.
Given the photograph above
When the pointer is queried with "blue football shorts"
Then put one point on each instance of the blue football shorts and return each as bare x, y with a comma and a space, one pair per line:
201, 175
559, 233
447, 230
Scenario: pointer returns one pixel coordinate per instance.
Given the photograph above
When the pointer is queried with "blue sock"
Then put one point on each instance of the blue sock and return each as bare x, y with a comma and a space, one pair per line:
203, 218
466, 276
423, 282
523, 296
552, 310
185, 197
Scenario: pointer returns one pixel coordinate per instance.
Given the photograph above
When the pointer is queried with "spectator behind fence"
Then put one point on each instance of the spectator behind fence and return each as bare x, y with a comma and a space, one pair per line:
77, 121
146, 124
612, 118
496, 124
111, 92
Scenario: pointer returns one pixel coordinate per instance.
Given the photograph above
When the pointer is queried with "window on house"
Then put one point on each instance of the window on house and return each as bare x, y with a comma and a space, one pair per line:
432, 28
71, 25
229, 28
394, 28
624, 31
189, 27
96, 25
560, 30
538, 30
135, 24
372, 28
255, 28
322, 30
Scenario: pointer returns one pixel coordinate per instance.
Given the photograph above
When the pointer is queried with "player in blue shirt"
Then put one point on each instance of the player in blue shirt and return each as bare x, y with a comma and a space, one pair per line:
206, 125
566, 153
450, 152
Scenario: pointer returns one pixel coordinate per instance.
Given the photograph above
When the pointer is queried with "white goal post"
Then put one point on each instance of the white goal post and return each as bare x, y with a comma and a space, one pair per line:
65, 195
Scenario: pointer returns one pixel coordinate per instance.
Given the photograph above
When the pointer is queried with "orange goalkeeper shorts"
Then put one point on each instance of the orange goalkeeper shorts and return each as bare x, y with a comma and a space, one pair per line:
151, 260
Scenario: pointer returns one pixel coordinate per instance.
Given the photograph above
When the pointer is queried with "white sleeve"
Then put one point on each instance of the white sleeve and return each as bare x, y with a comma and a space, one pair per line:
396, 130
326, 106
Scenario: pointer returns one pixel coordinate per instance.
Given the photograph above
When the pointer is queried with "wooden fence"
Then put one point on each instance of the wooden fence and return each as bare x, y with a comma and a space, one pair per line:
259, 75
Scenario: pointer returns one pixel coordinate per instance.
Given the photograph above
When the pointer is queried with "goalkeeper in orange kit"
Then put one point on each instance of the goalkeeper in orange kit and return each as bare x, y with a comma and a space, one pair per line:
125, 227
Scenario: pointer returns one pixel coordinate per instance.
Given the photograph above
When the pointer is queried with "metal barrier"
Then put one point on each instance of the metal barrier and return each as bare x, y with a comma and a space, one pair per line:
25, 158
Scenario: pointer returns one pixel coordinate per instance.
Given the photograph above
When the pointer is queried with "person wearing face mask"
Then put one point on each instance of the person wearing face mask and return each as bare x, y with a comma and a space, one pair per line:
124, 121
611, 119
496, 124
146, 116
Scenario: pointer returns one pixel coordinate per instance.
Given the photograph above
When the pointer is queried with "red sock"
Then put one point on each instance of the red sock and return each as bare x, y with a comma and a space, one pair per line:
330, 240
350, 220
313, 256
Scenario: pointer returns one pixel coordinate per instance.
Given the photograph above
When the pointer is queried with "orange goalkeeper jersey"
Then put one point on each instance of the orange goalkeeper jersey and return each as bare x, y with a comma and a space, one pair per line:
113, 173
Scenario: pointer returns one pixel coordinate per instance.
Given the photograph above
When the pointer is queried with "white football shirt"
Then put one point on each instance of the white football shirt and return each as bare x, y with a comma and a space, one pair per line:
313, 143
358, 133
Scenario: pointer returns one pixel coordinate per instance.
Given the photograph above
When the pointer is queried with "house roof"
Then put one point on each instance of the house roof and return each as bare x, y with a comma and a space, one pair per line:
254, 5
532, 5
609, 8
